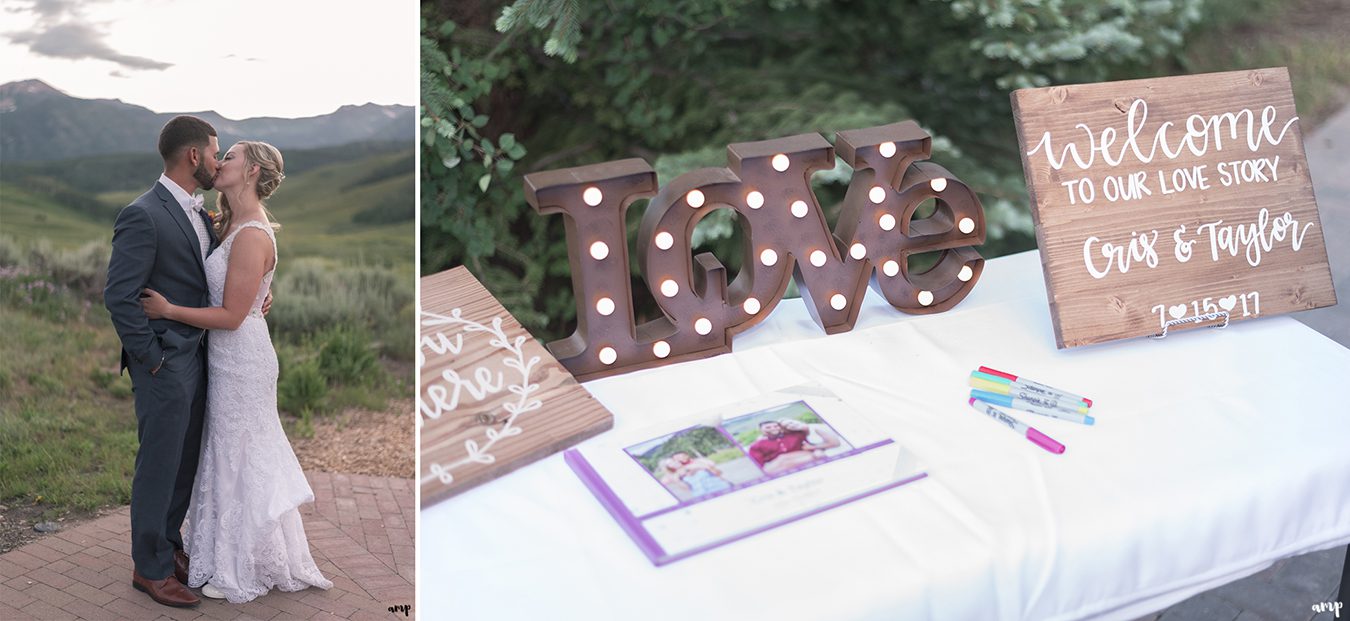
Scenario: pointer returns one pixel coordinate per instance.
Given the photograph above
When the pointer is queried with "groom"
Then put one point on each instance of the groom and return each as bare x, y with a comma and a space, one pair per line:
160, 241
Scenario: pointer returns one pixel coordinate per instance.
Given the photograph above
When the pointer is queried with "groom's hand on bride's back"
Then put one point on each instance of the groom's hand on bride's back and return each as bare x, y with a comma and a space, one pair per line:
267, 303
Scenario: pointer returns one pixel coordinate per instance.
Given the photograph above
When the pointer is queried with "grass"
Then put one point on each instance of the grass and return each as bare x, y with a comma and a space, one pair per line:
68, 430
29, 216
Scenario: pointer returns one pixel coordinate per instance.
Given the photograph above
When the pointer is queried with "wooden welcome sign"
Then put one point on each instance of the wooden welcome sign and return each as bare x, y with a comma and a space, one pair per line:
768, 184
491, 399
1170, 200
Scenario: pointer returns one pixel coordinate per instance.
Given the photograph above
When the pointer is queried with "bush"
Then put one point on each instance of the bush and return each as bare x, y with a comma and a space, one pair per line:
312, 297
39, 296
347, 357
301, 389
10, 253
82, 272
395, 339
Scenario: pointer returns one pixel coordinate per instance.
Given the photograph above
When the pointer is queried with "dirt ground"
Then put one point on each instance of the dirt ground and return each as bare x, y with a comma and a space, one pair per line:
362, 442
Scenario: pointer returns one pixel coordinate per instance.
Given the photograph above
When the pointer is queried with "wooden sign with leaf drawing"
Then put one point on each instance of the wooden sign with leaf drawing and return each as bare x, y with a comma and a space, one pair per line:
491, 399
1171, 200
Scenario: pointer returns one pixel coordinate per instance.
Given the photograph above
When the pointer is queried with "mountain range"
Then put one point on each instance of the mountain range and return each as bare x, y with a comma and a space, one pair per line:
40, 123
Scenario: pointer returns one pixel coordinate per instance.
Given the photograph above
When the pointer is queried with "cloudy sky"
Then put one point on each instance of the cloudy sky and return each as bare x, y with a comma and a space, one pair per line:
242, 58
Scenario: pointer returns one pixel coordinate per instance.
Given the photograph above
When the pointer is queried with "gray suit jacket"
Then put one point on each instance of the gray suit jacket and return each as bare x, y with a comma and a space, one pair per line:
155, 246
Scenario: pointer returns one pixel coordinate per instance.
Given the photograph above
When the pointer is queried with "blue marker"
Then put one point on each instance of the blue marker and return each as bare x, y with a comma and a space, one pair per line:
1015, 403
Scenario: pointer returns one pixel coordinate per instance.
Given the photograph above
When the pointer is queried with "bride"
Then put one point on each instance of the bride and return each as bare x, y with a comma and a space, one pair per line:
245, 536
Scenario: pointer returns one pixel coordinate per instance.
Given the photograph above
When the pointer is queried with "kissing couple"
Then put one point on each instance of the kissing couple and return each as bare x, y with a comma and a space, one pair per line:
187, 296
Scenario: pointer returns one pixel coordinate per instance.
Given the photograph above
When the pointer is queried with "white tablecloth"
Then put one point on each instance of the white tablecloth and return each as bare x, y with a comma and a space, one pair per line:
1215, 453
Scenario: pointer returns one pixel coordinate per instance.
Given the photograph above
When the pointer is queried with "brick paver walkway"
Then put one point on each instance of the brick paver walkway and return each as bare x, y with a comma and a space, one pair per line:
360, 530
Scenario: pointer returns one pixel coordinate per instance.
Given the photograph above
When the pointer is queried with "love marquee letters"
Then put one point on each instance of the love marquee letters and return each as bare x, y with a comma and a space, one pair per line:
768, 184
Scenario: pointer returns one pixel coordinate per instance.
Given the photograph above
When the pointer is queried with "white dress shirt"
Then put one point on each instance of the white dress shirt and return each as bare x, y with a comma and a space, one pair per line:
192, 206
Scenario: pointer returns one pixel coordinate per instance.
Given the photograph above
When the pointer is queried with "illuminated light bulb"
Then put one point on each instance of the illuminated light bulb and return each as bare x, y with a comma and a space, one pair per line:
887, 149
702, 325
604, 306
966, 273
938, 184
661, 349
887, 222
695, 198
669, 288
599, 250
799, 209
664, 240
780, 162
592, 196
751, 306
768, 257
966, 225
857, 251
890, 268
608, 355
925, 297
838, 301
754, 199
818, 258
876, 194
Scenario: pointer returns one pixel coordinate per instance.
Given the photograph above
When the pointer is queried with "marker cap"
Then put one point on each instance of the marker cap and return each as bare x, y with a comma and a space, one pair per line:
991, 397
1044, 441
1013, 378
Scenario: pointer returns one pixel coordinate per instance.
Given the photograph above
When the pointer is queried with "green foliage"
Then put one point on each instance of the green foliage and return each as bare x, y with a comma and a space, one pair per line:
313, 296
301, 388
395, 338
675, 82
470, 185
697, 442
347, 357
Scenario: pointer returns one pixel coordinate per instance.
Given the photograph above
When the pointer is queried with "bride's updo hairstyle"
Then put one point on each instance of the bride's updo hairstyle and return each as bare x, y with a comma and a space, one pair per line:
269, 176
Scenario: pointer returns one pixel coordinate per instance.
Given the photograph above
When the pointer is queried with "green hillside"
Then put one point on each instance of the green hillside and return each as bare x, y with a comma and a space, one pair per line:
320, 212
348, 210
25, 215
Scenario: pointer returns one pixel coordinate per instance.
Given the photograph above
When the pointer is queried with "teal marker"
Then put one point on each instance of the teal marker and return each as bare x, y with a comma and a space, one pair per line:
1029, 390
1017, 403
1004, 386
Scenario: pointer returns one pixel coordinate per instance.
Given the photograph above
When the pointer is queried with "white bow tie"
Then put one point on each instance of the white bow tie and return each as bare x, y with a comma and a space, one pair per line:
196, 201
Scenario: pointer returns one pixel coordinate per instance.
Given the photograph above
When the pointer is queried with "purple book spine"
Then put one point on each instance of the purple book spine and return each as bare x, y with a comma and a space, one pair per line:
655, 553
616, 508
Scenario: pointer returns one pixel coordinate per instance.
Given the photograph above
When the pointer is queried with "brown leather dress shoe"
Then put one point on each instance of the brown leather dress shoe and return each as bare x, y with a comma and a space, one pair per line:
168, 591
180, 566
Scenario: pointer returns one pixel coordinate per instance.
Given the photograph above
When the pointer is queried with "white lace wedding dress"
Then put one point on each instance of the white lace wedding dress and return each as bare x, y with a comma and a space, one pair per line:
244, 530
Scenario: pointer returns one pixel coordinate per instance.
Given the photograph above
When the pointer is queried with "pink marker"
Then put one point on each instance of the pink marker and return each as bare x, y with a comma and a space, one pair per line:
1036, 437
1048, 391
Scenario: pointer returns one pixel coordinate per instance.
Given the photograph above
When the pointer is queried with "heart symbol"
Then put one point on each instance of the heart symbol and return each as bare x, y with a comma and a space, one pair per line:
1228, 302
1177, 311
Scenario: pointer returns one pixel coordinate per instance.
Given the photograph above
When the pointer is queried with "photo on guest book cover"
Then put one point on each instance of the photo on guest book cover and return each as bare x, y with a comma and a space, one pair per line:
712, 477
